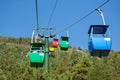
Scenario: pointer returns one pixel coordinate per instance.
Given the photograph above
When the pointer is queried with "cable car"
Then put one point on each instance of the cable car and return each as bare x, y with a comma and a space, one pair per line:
51, 49
99, 42
64, 43
36, 54
55, 43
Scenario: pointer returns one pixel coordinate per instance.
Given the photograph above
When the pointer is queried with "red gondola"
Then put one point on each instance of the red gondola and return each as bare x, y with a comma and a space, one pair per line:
55, 43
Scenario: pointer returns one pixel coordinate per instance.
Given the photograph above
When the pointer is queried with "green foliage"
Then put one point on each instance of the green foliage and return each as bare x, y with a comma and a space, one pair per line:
81, 70
2, 75
63, 65
99, 70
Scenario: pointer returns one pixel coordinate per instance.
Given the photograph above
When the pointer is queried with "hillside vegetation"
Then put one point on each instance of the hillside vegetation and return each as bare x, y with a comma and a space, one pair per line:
64, 65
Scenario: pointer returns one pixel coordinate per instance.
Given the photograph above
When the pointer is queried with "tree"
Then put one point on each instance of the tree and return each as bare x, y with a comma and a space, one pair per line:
2, 75
81, 69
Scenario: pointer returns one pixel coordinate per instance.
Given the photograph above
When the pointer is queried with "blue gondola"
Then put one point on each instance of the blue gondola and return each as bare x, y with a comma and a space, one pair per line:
99, 42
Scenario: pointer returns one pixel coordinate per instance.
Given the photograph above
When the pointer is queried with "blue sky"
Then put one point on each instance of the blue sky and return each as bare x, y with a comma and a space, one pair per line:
18, 18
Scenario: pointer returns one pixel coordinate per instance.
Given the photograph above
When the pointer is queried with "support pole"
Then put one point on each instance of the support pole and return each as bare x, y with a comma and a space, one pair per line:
46, 54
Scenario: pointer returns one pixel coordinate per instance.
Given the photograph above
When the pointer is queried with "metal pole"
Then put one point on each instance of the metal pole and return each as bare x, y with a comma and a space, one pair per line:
67, 33
46, 54
102, 15
32, 38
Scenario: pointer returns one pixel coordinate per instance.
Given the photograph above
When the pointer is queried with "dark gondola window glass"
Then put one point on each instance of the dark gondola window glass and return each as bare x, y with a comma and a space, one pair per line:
99, 30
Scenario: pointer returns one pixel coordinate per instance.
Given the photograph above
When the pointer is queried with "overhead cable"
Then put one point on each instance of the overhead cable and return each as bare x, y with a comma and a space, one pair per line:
79, 20
37, 31
50, 19
36, 3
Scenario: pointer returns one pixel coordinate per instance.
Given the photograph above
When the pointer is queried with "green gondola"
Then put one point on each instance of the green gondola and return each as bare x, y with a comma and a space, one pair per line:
36, 54
64, 43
